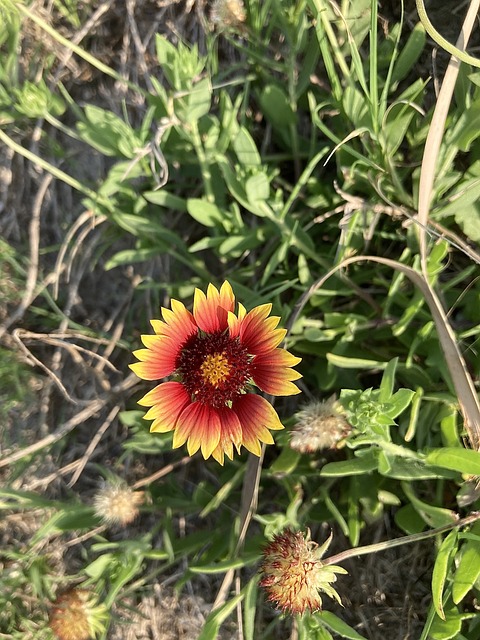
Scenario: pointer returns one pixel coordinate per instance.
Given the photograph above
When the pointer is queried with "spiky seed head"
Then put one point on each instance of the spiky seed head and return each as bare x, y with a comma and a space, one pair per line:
75, 615
320, 425
116, 503
227, 13
294, 574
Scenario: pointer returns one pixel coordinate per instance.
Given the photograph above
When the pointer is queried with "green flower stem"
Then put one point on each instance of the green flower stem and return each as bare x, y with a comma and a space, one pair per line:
389, 544
55, 122
440, 40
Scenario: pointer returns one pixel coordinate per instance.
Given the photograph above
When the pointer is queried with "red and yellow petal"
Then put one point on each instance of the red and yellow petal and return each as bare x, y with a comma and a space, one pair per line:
235, 321
211, 310
199, 426
157, 360
256, 416
226, 297
178, 323
231, 434
272, 373
167, 401
257, 331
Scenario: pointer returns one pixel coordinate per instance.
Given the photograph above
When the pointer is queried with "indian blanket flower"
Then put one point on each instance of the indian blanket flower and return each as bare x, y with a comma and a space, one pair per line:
215, 357
294, 574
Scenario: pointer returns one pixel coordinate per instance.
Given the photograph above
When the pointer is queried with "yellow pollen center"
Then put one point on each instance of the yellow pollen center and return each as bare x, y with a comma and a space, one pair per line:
215, 368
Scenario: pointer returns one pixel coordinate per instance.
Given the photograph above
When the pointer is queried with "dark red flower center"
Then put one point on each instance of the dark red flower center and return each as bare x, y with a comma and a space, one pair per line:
214, 368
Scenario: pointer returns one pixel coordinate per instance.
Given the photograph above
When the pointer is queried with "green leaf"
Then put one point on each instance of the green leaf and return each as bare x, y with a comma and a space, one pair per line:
433, 516
226, 565
448, 629
395, 126
388, 381
167, 200
286, 462
246, 149
198, 101
345, 362
442, 566
463, 204
98, 567
217, 617
276, 107
337, 625
409, 54
249, 609
130, 256
468, 570
357, 466
166, 56
409, 520
204, 212
467, 128
106, 132
223, 493
398, 402
406, 468
462, 460
257, 187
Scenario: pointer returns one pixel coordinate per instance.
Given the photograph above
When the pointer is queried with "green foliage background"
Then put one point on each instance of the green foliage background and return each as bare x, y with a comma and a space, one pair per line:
266, 152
